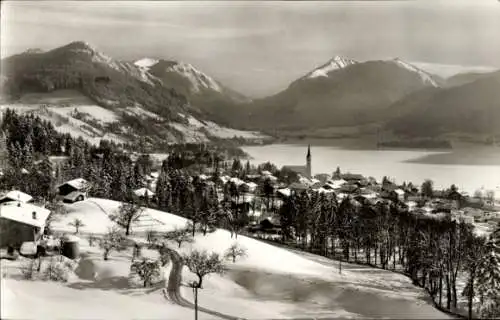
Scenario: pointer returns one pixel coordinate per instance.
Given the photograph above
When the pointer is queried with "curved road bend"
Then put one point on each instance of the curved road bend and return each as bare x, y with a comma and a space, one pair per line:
174, 284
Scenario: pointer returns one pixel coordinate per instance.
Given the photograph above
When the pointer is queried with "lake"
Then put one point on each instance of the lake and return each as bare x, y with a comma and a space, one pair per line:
468, 168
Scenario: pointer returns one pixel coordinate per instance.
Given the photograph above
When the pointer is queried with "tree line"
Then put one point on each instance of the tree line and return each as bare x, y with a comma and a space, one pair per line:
432, 250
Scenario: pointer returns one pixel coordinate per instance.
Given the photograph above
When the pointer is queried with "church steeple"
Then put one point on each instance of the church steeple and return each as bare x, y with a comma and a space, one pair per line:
308, 161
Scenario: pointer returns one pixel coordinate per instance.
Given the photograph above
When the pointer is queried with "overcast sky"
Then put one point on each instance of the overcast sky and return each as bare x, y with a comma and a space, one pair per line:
256, 47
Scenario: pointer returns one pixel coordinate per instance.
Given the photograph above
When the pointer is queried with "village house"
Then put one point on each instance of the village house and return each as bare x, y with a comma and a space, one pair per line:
73, 190
16, 195
21, 222
144, 193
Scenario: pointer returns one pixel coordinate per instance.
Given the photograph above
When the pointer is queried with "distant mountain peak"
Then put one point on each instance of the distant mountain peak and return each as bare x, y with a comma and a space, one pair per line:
426, 77
335, 63
197, 78
146, 63
33, 51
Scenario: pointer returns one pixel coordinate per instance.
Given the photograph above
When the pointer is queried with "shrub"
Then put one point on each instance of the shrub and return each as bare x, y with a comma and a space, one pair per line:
57, 270
235, 251
28, 269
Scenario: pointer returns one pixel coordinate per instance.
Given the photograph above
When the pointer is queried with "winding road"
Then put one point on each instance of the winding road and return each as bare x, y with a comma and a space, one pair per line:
173, 294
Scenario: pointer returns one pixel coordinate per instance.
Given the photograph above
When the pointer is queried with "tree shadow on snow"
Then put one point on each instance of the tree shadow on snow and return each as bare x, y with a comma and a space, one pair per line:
112, 283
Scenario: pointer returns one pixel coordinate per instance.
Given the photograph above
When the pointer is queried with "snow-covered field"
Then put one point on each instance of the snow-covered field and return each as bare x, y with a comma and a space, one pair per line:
270, 282
215, 130
59, 107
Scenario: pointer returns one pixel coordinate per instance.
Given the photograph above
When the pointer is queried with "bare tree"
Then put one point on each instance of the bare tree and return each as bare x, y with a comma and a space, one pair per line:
146, 270
201, 263
77, 223
180, 236
128, 212
112, 240
235, 251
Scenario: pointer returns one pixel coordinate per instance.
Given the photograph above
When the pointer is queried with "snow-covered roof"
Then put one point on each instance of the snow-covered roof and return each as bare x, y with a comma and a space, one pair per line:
224, 179
266, 173
143, 191
203, 177
400, 192
323, 190
78, 183
286, 192
251, 185
23, 212
17, 195
236, 181
155, 174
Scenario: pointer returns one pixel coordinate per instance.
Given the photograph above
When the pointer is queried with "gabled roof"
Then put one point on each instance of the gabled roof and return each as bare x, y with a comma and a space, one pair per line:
251, 185
142, 192
78, 183
17, 195
23, 213
286, 192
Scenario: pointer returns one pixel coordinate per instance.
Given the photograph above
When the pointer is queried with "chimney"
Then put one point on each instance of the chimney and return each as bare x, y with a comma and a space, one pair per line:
34, 215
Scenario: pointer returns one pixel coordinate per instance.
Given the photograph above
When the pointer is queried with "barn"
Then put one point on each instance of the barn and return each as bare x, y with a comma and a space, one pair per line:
73, 190
20, 222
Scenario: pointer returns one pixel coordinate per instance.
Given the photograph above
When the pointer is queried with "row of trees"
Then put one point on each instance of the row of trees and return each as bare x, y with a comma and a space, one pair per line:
432, 250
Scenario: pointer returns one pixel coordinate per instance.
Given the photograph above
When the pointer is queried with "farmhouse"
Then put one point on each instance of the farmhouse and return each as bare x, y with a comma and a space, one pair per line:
20, 222
16, 195
73, 190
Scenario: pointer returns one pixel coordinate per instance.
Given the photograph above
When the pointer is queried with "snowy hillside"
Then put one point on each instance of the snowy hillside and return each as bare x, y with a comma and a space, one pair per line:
270, 282
334, 64
426, 78
72, 112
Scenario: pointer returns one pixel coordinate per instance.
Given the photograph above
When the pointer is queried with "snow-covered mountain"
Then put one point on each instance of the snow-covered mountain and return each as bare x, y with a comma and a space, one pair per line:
334, 64
426, 77
146, 63
201, 90
87, 93
341, 92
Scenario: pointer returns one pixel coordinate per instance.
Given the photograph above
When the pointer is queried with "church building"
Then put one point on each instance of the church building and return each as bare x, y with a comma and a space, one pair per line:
304, 171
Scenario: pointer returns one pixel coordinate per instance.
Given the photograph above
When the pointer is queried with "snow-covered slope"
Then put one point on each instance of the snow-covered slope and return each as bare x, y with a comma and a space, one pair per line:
270, 282
426, 78
72, 112
334, 64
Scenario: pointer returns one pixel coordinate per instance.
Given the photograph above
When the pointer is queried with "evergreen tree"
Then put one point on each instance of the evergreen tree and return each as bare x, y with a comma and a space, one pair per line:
488, 284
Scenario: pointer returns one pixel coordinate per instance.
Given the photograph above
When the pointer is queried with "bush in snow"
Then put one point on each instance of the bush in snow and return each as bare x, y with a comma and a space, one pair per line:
29, 269
235, 251
92, 239
112, 240
146, 270
58, 270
